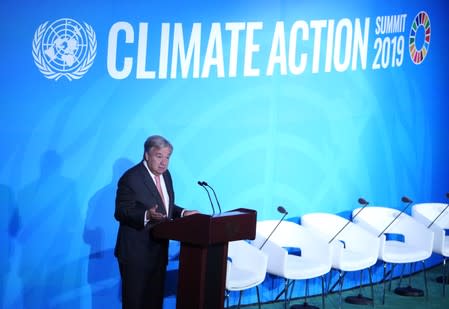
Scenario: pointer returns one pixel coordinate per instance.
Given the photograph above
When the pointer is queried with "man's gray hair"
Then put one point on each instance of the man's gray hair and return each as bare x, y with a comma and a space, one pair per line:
156, 141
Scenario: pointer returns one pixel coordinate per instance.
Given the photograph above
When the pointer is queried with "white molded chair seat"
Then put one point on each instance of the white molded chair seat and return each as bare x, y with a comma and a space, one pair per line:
417, 241
246, 267
303, 268
400, 252
353, 248
314, 260
355, 260
426, 213
436, 215
241, 279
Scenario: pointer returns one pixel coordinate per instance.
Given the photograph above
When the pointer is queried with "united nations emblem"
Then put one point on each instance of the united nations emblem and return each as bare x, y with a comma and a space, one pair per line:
64, 48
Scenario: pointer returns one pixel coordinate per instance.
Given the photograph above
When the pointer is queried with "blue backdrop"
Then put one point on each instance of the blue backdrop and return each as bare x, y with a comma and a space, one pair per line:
305, 104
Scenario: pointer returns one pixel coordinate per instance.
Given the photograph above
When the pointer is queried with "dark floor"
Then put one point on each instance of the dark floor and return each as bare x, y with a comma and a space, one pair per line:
435, 298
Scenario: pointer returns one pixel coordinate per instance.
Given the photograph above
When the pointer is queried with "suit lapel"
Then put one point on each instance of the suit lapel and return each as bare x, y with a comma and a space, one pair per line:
169, 187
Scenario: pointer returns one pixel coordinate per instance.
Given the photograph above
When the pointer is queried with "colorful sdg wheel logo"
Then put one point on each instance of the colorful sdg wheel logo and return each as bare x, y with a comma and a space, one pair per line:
419, 46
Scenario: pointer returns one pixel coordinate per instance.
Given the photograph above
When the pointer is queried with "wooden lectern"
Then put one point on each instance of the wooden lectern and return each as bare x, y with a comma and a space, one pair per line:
204, 250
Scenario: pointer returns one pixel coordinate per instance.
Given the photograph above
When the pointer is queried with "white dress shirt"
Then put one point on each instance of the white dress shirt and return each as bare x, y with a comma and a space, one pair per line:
164, 191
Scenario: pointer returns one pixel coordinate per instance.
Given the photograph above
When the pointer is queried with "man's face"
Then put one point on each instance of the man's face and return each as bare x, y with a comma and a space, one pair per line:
157, 159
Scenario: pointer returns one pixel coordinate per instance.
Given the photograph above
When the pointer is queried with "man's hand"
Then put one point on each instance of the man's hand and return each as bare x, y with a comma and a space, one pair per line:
154, 216
190, 212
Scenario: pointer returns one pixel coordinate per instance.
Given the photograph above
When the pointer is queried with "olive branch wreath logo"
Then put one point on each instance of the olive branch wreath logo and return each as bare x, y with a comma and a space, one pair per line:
48, 72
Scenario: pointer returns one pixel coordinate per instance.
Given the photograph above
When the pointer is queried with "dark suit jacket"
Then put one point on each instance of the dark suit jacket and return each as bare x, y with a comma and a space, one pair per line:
136, 193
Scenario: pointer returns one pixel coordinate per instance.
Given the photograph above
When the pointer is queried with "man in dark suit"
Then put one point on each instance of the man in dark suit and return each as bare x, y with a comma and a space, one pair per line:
144, 198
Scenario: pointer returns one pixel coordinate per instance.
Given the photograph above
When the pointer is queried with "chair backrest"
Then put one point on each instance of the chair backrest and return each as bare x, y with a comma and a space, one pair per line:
292, 235
351, 236
377, 218
437, 213
428, 212
287, 234
243, 253
330, 224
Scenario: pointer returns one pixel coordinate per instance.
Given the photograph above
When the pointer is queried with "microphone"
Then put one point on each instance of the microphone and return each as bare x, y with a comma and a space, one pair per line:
203, 185
404, 199
444, 209
281, 210
361, 201
216, 199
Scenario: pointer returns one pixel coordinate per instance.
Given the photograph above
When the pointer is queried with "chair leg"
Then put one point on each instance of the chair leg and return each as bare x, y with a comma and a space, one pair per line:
291, 291
402, 273
444, 276
371, 284
412, 271
393, 266
258, 296
361, 282
322, 291
287, 284
341, 279
329, 280
337, 283
425, 279
306, 292
240, 298
385, 282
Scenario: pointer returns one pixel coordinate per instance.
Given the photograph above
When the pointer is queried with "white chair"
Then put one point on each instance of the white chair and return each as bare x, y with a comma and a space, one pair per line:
435, 216
246, 268
314, 259
352, 247
413, 241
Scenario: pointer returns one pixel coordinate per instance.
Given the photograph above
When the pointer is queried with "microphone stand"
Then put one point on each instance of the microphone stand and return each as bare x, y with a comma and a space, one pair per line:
357, 299
361, 201
444, 278
405, 200
408, 290
438, 216
216, 199
202, 184
281, 210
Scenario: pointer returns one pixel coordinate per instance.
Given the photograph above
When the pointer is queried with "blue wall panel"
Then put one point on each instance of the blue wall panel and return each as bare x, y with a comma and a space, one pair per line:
355, 117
